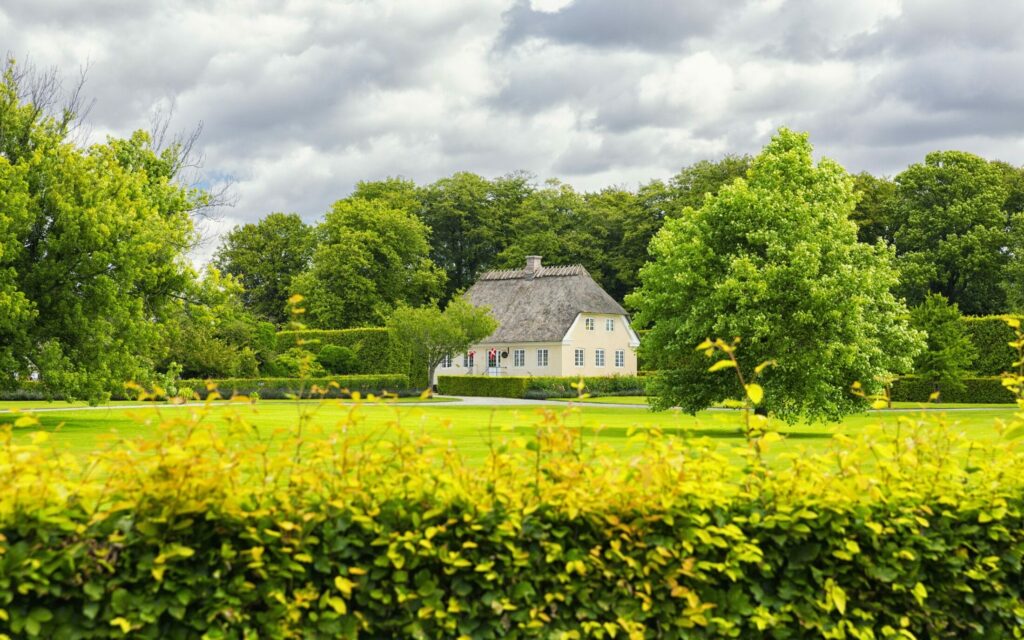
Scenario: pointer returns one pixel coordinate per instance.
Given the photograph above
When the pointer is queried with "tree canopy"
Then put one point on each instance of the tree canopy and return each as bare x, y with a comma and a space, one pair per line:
369, 258
774, 259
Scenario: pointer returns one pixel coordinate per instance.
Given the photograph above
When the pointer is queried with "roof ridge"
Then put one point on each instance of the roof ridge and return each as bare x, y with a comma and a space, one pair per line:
544, 272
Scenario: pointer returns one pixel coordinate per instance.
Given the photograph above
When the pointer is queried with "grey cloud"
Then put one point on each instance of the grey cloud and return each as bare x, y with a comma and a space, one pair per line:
654, 25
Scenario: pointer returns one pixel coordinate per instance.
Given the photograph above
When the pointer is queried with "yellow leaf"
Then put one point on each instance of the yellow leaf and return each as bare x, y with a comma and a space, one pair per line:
344, 585
26, 421
768, 363
920, 593
707, 344
121, 622
722, 364
337, 604
879, 404
1013, 322
933, 396
39, 437
755, 393
296, 299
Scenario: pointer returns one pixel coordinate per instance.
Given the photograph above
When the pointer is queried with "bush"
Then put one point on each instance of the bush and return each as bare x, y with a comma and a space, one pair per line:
280, 388
487, 386
337, 359
339, 533
26, 390
990, 335
989, 390
296, 362
375, 348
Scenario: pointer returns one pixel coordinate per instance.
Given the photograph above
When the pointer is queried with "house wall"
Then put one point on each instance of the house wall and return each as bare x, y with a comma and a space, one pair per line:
619, 338
561, 355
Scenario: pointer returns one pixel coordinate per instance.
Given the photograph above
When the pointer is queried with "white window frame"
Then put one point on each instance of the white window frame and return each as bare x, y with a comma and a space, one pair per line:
467, 360
446, 362
620, 358
609, 324
590, 324
519, 357
580, 357
598, 357
542, 357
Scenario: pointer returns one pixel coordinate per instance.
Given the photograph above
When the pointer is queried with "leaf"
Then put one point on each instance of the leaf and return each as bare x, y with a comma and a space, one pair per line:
722, 364
769, 363
1013, 322
934, 396
707, 344
344, 585
26, 421
337, 604
837, 595
122, 623
920, 593
755, 392
880, 404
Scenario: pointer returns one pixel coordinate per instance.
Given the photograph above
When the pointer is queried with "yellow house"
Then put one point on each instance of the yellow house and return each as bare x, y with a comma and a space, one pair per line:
552, 321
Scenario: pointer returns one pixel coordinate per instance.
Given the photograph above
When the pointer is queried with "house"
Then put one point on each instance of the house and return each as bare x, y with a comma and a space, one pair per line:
552, 321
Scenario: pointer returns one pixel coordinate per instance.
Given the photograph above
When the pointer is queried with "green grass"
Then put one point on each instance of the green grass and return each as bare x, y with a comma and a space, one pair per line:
473, 428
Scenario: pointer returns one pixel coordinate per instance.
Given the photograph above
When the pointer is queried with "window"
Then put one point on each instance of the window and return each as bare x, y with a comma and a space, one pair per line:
620, 358
609, 324
467, 359
542, 357
446, 362
519, 358
599, 357
590, 323
492, 358
580, 358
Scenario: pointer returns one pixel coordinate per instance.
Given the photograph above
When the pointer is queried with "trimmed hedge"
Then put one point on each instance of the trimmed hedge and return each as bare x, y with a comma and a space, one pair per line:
280, 388
981, 390
212, 535
538, 387
376, 350
990, 335
486, 386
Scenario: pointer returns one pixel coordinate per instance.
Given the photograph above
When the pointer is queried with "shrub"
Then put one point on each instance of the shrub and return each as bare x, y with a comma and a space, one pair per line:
337, 359
294, 363
339, 533
980, 390
487, 386
376, 349
990, 335
280, 388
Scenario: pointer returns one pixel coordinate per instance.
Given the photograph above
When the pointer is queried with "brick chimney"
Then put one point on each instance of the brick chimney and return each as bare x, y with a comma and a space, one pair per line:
532, 265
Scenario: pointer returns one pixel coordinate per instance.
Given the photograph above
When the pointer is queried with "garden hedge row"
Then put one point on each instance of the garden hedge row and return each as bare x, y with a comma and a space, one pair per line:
280, 388
323, 538
990, 335
375, 348
980, 390
538, 387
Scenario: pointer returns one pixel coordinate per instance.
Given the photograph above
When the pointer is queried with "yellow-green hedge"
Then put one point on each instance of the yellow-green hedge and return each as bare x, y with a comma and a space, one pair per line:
341, 532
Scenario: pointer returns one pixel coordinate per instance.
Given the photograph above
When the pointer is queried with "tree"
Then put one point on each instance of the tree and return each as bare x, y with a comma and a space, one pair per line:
470, 220
92, 245
953, 231
949, 352
429, 335
775, 260
265, 257
369, 259
693, 183
874, 213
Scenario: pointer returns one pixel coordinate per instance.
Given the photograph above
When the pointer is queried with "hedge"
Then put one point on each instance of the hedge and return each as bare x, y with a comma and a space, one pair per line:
538, 386
340, 533
487, 386
280, 388
980, 390
376, 349
990, 335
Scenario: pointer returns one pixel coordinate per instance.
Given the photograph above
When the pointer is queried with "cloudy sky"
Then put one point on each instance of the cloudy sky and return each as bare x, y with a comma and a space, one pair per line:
301, 99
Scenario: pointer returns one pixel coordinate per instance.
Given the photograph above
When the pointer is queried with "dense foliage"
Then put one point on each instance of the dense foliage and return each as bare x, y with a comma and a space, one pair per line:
906, 531
369, 259
971, 389
92, 245
266, 256
949, 353
990, 335
774, 259
376, 350
309, 387
540, 387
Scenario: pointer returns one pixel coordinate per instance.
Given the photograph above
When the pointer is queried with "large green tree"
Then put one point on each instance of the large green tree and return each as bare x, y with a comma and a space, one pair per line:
369, 259
265, 256
949, 352
774, 259
92, 244
953, 231
875, 210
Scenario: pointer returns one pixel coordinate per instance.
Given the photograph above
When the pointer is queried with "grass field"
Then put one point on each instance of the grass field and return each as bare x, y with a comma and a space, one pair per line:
471, 429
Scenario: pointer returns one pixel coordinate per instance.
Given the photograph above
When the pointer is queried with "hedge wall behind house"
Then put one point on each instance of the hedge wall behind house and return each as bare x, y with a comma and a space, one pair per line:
375, 348
990, 335
979, 390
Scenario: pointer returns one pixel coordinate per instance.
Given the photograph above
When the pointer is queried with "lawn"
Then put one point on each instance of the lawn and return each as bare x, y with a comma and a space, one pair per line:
473, 428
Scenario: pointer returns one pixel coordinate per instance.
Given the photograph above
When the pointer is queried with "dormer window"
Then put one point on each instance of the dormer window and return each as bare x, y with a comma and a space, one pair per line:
590, 324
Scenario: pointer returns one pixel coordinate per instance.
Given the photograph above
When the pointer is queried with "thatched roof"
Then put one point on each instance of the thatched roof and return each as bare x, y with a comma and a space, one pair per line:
539, 304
